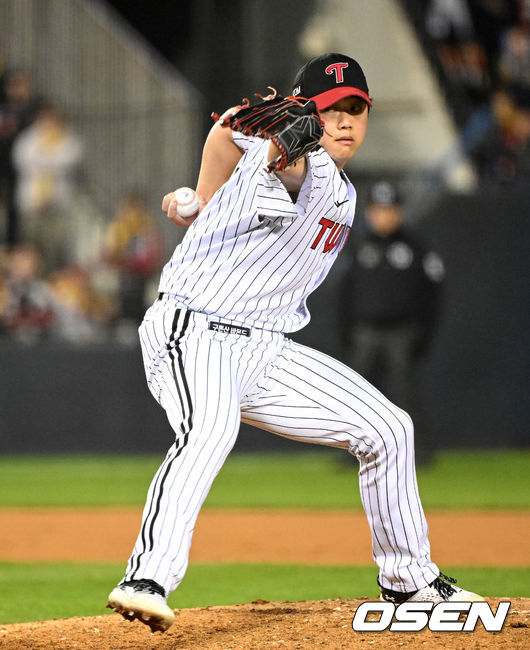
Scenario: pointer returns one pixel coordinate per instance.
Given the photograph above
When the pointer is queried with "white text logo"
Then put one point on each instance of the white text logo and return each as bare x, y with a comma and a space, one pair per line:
442, 617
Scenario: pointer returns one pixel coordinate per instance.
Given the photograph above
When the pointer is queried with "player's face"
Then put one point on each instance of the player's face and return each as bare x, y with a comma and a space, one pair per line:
345, 125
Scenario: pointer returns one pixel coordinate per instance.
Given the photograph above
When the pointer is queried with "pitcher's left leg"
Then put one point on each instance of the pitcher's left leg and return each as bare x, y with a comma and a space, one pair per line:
309, 396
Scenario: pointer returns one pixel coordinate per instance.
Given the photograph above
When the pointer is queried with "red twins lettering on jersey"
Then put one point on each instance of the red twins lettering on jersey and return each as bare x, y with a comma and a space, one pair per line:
337, 68
334, 232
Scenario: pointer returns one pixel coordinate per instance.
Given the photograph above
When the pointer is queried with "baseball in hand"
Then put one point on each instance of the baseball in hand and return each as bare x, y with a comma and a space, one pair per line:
187, 202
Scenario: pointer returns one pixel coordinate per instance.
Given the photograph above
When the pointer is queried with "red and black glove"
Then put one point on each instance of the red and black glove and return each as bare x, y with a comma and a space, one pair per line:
292, 123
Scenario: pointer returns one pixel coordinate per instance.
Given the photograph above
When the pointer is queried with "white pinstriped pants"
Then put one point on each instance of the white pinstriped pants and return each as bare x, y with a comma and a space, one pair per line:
209, 381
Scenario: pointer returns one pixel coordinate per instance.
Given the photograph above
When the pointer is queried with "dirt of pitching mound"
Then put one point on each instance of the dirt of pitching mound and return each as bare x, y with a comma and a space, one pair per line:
305, 624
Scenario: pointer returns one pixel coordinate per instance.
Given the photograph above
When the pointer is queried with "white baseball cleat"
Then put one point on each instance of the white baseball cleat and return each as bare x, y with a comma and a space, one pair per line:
144, 600
443, 589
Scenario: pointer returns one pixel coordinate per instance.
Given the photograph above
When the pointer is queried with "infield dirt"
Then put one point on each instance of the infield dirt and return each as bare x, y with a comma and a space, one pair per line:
280, 536
474, 538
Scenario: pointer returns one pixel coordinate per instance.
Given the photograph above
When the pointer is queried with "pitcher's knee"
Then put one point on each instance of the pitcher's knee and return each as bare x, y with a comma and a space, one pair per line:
398, 436
386, 439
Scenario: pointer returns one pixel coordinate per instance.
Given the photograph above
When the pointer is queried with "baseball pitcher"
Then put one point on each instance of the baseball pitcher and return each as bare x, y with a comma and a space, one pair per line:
276, 209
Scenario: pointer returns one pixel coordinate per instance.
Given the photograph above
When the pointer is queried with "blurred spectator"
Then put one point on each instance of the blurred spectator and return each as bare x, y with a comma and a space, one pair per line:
490, 19
81, 313
494, 140
65, 306
26, 310
18, 107
471, 37
514, 57
448, 21
497, 139
47, 156
134, 247
390, 303
473, 74
460, 54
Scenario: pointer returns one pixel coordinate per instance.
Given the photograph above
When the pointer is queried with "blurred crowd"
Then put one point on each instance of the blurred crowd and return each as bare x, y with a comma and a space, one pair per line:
483, 52
47, 290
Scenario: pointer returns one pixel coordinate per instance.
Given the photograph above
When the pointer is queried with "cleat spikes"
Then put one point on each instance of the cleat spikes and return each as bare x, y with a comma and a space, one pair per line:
142, 601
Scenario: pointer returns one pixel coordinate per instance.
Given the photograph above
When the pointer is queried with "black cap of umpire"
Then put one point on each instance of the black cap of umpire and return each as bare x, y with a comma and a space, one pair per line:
384, 193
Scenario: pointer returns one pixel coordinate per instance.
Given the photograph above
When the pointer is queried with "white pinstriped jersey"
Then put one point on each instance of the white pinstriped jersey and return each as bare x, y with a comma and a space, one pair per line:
252, 256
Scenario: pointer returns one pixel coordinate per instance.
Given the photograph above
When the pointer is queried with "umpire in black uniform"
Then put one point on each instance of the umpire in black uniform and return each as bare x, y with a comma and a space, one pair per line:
390, 303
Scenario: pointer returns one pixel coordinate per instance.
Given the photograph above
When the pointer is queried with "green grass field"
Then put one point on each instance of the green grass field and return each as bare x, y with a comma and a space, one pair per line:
45, 591
320, 479
459, 480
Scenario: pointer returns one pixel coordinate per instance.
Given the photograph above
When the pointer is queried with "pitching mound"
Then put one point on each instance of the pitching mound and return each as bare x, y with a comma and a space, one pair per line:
305, 624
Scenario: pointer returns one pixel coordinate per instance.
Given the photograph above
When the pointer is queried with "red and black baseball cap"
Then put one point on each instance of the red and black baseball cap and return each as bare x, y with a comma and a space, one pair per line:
330, 77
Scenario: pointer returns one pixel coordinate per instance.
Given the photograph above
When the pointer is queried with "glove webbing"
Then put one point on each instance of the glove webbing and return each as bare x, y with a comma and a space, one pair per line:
299, 138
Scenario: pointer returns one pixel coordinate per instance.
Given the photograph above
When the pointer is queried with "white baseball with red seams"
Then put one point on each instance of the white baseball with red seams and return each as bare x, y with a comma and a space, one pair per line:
188, 202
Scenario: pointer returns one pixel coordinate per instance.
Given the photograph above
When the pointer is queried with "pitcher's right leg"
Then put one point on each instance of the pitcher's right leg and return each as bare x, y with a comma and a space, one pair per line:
202, 404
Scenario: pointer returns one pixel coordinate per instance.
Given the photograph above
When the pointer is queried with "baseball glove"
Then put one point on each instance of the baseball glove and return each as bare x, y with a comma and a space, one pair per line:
291, 123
